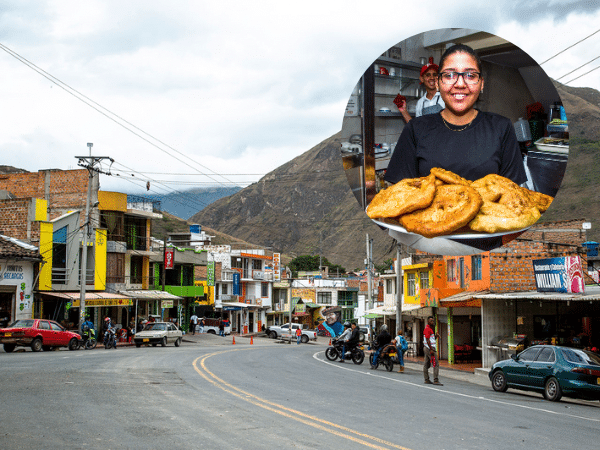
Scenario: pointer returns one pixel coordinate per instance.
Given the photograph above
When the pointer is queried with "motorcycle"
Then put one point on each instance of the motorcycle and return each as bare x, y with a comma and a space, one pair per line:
387, 357
88, 339
110, 339
356, 354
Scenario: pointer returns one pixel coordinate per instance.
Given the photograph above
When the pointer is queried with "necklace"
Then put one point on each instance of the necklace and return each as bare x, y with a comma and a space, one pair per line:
456, 129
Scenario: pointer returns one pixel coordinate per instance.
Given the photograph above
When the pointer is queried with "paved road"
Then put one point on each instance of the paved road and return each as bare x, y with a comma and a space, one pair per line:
209, 393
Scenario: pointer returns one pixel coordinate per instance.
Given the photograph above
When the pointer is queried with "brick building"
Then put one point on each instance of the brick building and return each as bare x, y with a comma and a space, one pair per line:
482, 297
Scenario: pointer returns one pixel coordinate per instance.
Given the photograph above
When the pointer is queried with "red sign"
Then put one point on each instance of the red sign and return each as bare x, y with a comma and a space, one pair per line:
169, 257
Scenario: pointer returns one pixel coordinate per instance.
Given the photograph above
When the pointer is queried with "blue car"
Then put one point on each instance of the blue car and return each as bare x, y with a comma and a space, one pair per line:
552, 370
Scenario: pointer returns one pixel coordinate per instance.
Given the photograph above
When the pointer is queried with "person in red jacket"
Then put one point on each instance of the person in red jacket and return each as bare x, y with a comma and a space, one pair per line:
431, 355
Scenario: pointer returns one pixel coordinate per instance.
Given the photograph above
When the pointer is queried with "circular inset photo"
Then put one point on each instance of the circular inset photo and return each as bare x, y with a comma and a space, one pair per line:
455, 141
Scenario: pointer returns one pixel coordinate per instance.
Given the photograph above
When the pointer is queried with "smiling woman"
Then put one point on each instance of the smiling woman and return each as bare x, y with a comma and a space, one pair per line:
462, 139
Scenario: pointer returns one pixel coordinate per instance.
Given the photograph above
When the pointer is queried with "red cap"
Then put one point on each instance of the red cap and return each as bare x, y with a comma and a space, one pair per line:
429, 65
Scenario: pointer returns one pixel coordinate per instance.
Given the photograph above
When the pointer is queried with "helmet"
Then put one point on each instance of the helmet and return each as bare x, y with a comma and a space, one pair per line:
107, 319
346, 324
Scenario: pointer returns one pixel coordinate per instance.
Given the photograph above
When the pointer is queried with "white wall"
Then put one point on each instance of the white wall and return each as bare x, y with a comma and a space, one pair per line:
17, 277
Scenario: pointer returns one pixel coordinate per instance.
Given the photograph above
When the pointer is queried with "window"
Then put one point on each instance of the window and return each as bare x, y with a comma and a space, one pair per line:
546, 355
136, 269
389, 286
115, 268
256, 264
264, 289
476, 267
451, 270
424, 280
224, 289
236, 262
411, 285
324, 298
44, 325
529, 354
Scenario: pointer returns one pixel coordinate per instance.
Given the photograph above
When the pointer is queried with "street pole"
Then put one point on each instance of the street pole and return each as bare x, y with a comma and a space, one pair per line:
84, 244
89, 162
399, 285
369, 280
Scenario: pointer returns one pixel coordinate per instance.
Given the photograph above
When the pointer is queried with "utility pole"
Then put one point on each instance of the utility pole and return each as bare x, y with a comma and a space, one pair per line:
369, 278
89, 162
399, 285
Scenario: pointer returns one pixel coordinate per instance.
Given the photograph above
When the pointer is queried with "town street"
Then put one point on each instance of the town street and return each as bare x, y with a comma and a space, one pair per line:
211, 394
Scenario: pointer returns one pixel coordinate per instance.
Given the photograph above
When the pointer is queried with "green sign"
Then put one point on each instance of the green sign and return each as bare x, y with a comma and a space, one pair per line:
210, 273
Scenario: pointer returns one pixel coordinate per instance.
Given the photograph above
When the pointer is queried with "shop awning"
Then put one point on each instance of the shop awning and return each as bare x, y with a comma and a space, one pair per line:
382, 311
312, 305
149, 294
242, 305
92, 298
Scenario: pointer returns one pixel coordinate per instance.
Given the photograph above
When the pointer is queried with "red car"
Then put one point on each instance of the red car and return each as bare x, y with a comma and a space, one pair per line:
38, 334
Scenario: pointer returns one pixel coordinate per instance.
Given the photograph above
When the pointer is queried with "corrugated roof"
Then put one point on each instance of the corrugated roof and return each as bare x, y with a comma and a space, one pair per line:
14, 248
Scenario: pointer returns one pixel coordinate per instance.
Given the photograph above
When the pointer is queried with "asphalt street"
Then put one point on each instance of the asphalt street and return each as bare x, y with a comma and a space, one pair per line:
209, 393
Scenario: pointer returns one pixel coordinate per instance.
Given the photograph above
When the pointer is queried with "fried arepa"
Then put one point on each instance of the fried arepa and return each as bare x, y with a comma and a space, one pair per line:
406, 196
449, 177
494, 217
453, 207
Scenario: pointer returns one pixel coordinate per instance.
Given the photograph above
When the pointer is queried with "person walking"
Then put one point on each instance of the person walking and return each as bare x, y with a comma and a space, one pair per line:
401, 347
193, 323
201, 327
221, 328
298, 335
431, 356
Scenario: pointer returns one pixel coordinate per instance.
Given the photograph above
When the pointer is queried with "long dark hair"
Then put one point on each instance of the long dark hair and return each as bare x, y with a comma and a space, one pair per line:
460, 48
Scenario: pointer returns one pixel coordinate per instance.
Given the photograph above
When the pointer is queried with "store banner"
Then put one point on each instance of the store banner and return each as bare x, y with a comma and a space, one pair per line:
210, 273
276, 267
559, 275
169, 257
236, 284
164, 304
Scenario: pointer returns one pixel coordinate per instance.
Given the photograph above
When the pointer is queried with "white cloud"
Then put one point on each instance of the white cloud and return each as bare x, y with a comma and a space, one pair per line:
239, 87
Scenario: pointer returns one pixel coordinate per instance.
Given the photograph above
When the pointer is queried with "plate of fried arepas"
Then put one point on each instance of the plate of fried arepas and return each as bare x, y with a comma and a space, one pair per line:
443, 204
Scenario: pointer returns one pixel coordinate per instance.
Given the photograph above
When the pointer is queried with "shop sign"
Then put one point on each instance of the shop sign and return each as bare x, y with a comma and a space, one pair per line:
11, 272
210, 273
105, 302
276, 267
164, 304
236, 284
559, 274
300, 307
169, 257
232, 308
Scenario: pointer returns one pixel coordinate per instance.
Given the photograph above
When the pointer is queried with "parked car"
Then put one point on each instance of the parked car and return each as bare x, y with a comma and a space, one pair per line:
38, 334
162, 333
364, 333
277, 332
552, 370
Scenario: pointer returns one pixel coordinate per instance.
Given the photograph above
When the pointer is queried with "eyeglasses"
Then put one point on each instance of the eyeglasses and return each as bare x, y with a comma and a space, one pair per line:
452, 77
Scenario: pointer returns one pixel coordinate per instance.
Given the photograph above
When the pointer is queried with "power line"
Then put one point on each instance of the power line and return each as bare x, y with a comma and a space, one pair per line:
574, 70
570, 46
108, 113
596, 68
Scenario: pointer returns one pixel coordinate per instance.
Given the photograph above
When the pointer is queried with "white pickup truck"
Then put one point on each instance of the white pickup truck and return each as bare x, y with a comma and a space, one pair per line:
284, 332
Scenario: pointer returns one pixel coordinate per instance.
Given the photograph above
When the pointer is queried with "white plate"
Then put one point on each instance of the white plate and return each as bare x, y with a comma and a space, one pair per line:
394, 225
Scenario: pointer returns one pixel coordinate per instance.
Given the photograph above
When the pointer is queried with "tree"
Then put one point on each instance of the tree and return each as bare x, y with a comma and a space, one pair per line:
388, 264
310, 263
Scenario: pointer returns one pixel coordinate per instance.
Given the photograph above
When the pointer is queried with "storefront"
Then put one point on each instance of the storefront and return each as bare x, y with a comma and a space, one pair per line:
18, 261
64, 307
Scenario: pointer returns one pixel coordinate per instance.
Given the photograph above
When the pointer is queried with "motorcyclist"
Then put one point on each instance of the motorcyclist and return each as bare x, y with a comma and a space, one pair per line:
344, 338
383, 338
86, 328
108, 325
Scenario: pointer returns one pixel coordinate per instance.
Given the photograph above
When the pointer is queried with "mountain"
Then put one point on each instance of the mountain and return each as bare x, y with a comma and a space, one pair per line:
306, 207
185, 203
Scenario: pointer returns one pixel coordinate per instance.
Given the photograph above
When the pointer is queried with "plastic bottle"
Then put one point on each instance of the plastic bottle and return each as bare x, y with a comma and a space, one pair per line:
522, 130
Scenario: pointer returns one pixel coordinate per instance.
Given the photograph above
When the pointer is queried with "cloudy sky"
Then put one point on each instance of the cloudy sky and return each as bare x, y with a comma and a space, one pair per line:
231, 89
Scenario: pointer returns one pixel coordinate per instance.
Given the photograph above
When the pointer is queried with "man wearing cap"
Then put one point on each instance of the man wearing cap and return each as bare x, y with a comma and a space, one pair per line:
431, 102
